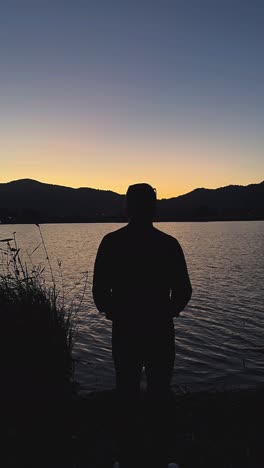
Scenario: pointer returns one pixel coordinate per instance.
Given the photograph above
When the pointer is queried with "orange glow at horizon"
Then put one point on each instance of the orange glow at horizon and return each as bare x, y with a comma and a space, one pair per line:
173, 167
165, 189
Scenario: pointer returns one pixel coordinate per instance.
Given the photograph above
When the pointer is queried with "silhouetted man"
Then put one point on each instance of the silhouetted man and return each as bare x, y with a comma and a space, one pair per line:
141, 282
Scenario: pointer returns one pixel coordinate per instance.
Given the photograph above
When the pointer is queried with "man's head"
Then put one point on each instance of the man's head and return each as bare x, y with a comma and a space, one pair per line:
141, 202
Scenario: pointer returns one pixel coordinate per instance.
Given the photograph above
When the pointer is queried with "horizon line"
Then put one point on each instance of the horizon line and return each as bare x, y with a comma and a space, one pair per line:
123, 194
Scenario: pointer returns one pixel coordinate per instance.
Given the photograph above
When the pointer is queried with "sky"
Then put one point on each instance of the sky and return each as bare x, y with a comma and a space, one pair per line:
104, 94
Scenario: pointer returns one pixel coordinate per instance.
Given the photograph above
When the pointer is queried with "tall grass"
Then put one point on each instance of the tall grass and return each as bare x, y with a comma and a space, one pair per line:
37, 324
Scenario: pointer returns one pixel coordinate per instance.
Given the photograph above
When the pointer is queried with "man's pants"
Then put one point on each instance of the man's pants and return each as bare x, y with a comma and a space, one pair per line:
148, 345
134, 347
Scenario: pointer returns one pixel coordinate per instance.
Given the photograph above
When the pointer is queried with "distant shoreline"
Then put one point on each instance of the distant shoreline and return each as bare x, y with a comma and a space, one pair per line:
32, 202
115, 221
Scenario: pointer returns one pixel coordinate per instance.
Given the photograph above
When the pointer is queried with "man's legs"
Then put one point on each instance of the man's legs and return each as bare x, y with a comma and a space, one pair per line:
127, 356
159, 363
128, 363
159, 357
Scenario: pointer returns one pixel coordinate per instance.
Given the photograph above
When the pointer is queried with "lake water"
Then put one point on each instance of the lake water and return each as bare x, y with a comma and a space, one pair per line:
219, 336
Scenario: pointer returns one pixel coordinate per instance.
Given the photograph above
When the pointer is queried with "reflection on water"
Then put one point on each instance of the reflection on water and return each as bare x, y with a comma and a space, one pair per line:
219, 337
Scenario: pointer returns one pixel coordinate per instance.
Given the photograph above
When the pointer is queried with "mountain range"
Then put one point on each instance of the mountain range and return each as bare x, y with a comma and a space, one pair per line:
30, 201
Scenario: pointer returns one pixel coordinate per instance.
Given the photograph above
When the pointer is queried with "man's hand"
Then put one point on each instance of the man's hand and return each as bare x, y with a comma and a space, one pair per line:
109, 315
173, 312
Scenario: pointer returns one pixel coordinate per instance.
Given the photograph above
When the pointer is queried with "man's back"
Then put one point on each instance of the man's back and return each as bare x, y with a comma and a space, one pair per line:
139, 271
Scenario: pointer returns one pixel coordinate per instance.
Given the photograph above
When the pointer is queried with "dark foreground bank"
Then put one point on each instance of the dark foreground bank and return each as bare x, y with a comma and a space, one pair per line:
203, 430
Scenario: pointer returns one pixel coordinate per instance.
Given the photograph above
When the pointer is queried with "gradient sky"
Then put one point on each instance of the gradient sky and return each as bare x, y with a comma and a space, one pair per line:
106, 93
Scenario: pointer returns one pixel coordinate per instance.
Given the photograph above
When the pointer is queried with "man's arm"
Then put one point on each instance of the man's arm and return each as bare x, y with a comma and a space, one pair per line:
101, 279
181, 289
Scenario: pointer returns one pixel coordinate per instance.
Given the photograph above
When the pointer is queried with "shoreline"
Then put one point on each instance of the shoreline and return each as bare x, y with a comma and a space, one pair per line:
217, 430
203, 429
112, 221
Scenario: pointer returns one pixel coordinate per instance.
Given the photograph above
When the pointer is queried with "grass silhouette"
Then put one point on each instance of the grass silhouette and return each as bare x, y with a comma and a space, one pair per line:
38, 325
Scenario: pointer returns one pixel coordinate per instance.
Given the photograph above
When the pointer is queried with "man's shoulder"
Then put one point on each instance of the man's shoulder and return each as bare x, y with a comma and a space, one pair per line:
167, 239
115, 236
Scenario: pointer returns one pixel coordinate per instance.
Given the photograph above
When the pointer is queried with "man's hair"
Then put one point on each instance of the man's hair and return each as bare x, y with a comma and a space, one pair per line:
141, 201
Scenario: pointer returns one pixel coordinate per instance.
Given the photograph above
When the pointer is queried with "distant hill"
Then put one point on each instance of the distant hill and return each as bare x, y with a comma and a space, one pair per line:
27, 200
233, 202
30, 201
